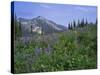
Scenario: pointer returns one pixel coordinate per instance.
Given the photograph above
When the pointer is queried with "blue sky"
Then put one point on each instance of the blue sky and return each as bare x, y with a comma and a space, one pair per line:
59, 13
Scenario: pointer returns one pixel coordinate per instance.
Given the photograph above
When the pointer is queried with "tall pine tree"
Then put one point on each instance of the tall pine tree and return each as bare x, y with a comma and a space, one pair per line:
20, 29
96, 22
78, 24
74, 24
82, 23
86, 23
69, 26
17, 27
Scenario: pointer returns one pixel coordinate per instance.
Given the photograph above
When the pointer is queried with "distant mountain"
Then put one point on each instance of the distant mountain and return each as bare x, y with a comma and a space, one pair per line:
47, 26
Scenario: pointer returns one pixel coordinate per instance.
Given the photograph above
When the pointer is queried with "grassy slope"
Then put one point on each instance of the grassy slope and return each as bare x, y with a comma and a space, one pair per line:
76, 49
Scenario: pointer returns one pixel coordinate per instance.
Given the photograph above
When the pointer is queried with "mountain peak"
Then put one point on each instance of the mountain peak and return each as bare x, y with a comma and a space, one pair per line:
48, 26
40, 17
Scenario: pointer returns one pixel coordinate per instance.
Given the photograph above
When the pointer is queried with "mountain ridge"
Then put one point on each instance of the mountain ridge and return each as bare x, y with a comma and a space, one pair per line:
48, 26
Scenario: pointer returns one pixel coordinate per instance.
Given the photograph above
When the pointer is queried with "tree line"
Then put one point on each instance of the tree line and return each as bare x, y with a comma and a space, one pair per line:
80, 23
17, 27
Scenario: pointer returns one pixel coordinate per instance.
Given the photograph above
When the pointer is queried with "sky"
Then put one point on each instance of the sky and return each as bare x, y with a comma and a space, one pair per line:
59, 13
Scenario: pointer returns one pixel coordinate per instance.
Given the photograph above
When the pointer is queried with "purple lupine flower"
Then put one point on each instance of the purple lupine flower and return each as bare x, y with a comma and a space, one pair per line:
37, 51
48, 49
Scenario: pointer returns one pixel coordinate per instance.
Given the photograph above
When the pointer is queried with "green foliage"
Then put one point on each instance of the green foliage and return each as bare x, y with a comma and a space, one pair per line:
75, 49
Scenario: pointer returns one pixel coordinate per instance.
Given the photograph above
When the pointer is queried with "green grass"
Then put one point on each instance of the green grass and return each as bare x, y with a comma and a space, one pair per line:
76, 49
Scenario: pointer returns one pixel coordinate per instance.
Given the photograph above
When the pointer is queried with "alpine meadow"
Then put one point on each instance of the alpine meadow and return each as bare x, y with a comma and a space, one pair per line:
54, 37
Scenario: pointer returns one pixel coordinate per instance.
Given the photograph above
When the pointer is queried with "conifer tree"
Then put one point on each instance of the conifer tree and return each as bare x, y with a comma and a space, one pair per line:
15, 26
20, 29
74, 23
96, 22
69, 26
81, 24
31, 29
78, 24
86, 23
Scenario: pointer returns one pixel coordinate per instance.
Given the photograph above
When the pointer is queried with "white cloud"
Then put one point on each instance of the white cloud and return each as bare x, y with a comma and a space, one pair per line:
84, 9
